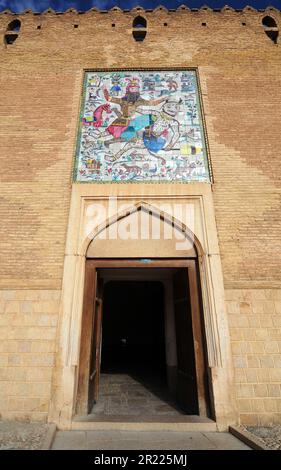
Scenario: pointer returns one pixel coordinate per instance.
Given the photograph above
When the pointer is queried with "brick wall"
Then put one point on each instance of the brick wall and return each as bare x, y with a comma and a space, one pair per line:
255, 330
41, 80
28, 320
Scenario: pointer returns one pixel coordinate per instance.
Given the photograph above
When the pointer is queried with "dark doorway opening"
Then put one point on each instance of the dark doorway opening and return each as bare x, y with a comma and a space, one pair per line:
138, 354
133, 358
133, 334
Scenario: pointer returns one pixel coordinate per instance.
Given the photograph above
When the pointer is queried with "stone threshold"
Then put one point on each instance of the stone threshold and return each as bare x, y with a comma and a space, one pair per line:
143, 423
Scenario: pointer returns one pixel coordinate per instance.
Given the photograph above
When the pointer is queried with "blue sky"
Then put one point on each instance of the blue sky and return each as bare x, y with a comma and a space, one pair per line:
62, 5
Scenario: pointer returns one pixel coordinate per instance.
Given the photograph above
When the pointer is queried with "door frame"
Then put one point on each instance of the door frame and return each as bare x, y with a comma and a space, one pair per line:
88, 321
83, 227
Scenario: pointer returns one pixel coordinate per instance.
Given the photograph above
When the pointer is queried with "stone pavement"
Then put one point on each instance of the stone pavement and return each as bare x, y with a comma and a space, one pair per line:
141, 440
133, 395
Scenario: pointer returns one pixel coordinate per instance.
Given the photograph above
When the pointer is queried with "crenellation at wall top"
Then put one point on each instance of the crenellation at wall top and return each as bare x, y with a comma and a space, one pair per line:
213, 15
182, 9
239, 28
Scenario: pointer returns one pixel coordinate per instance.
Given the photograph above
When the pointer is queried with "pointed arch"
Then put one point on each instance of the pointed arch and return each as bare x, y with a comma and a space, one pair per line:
12, 32
139, 28
14, 26
270, 28
139, 22
153, 211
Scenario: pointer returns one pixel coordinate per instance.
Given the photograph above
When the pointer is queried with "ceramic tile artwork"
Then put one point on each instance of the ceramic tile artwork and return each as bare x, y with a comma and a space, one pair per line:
141, 126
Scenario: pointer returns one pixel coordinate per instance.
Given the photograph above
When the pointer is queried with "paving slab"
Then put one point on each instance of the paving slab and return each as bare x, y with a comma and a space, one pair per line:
141, 440
149, 440
124, 394
70, 440
225, 441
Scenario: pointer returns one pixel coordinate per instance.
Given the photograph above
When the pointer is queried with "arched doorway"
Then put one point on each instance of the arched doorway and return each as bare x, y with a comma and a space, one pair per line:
142, 317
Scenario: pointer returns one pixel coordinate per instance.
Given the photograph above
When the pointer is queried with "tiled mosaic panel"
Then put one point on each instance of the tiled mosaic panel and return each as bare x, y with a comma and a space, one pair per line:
141, 126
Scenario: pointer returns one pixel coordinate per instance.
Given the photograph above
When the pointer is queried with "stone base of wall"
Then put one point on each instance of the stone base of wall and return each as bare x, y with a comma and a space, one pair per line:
255, 330
28, 323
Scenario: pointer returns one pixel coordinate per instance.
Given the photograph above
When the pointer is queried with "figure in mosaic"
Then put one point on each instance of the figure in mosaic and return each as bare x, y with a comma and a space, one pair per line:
126, 126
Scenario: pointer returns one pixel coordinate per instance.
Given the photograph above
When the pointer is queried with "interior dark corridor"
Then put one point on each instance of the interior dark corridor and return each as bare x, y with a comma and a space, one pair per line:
133, 335
133, 360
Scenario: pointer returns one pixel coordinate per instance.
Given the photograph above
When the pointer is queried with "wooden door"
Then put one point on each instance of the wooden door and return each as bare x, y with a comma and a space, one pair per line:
186, 373
89, 370
190, 356
94, 375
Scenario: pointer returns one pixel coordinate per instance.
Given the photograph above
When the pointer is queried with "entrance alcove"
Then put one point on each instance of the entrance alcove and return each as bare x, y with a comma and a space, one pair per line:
99, 254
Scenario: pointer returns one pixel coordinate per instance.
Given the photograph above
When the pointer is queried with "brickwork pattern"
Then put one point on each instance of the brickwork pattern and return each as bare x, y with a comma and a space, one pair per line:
28, 321
255, 330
